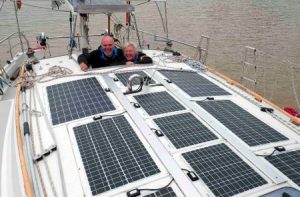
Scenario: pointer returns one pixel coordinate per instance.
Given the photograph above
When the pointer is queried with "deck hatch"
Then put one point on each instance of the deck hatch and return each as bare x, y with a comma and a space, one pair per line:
246, 126
184, 130
77, 99
165, 192
194, 84
288, 163
123, 77
112, 154
158, 103
224, 172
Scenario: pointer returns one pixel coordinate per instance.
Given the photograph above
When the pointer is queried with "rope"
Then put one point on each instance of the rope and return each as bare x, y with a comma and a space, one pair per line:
33, 148
50, 129
43, 148
26, 179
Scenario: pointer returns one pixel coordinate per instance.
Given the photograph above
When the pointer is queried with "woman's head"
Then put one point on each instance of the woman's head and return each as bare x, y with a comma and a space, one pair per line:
130, 51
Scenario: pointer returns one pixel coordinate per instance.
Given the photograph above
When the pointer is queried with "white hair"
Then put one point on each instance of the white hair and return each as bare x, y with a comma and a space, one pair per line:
130, 44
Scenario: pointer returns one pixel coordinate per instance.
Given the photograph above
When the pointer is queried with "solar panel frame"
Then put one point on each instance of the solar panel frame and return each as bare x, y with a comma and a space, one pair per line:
129, 139
193, 84
184, 130
156, 103
77, 99
288, 163
223, 171
246, 126
123, 77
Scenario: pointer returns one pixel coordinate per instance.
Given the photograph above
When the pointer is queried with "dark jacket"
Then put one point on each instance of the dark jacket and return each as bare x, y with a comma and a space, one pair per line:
139, 60
98, 59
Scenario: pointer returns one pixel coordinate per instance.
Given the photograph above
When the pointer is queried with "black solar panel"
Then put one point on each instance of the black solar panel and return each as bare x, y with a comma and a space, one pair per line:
123, 77
288, 163
184, 130
246, 126
112, 154
165, 192
224, 172
194, 84
77, 99
158, 103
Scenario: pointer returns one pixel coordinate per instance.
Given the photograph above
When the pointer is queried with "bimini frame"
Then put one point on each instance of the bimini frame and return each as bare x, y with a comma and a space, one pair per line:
107, 7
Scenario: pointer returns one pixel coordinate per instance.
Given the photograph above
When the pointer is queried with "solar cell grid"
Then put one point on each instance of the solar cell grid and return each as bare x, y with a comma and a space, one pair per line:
243, 124
158, 103
77, 99
223, 171
123, 77
112, 154
288, 163
165, 192
184, 130
194, 84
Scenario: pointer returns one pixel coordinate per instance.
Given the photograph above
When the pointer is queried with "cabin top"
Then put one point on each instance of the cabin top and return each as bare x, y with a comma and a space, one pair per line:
182, 131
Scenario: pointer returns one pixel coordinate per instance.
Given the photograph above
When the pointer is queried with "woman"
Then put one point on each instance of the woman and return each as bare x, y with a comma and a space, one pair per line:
131, 56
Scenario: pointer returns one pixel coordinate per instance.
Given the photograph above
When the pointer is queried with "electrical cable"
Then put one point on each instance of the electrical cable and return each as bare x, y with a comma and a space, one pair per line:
277, 148
99, 117
267, 155
185, 170
156, 189
137, 192
207, 98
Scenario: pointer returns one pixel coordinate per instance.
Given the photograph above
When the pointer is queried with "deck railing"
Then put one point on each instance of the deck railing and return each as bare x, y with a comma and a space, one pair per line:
278, 83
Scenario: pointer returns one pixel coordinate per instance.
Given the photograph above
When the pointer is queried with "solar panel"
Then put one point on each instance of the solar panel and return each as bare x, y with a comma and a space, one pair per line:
112, 154
224, 172
246, 126
158, 103
123, 77
194, 84
77, 99
288, 163
184, 130
165, 192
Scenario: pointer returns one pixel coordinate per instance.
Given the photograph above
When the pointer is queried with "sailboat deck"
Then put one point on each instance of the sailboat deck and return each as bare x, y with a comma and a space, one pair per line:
109, 142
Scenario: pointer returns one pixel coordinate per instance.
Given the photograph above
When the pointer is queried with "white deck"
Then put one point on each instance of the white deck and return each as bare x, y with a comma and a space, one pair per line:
166, 156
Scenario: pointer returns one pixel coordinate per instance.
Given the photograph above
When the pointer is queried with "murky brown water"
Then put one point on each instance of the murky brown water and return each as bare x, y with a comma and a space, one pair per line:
272, 26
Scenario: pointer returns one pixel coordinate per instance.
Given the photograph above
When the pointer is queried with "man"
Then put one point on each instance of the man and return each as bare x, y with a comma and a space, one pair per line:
131, 56
106, 55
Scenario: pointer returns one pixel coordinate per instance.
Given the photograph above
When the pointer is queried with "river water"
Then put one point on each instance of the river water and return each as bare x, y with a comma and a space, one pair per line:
272, 26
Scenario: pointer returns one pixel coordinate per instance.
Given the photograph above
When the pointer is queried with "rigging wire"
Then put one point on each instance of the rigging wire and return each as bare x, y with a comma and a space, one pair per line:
142, 3
45, 8
3, 1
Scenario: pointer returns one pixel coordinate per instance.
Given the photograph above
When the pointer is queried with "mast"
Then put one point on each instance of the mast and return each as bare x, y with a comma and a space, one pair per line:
127, 21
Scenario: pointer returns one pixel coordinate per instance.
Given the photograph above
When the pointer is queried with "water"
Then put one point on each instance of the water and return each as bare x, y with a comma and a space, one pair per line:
272, 26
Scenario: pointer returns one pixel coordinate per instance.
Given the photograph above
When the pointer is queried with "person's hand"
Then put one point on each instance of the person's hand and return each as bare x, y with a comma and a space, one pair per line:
129, 63
83, 67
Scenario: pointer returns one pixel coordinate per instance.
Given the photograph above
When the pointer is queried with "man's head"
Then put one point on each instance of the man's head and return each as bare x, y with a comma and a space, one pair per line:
107, 44
129, 51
